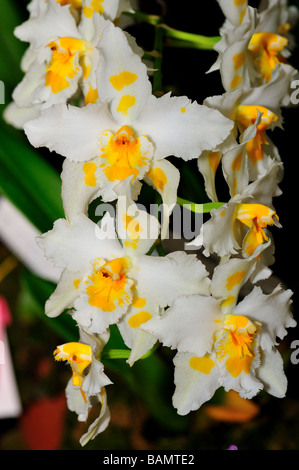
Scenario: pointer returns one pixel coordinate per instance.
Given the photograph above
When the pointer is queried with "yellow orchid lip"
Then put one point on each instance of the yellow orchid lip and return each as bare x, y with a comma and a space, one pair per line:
78, 355
108, 286
124, 154
256, 217
76, 4
63, 65
265, 48
95, 7
247, 115
236, 344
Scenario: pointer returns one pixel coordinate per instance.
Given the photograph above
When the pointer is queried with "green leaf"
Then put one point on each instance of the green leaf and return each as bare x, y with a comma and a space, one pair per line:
28, 181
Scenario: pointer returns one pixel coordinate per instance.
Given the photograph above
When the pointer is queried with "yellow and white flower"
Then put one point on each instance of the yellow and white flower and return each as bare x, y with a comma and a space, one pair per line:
62, 57
88, 383
253, 43
107, 282
128, 133
221, 343
249, 151
240, 226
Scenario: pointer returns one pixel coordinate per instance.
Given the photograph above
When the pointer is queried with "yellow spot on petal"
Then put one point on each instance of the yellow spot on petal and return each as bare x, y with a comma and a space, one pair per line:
235, 279
86, 67
125, 103
132, 226
158, 178
95, 6
236, 81
236, 165
235, 183
89, 169
77, 283
238, 3
202, 364
222, 213
214, 160
138, 302
136, 320
76, 4
88, 12
238, 60
183, 109
228, 301
91, 96
130, 245
123, 79
242, 14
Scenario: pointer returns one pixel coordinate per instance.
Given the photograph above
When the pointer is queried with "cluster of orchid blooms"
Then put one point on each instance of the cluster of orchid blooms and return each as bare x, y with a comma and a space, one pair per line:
87, 95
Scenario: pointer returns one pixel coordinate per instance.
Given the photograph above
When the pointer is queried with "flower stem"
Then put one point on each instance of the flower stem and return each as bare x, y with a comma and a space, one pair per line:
124, 353
197, 40
199, 208
181, 38
138, 15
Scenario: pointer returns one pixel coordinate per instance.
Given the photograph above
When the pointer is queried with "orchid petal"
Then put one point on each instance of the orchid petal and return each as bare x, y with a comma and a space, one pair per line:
63, 296
165, 178
182, 128
122, 77
271, 373
137, 229
75, 246
272, 311
70, 131
162, 279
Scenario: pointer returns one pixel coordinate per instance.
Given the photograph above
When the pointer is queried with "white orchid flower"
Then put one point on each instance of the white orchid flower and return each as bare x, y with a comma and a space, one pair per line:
36, 8
221, 343
107, 282
88, 383
241, 224
279, 16
253, 44
249, 151
111, 9
129, 132
61, 60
